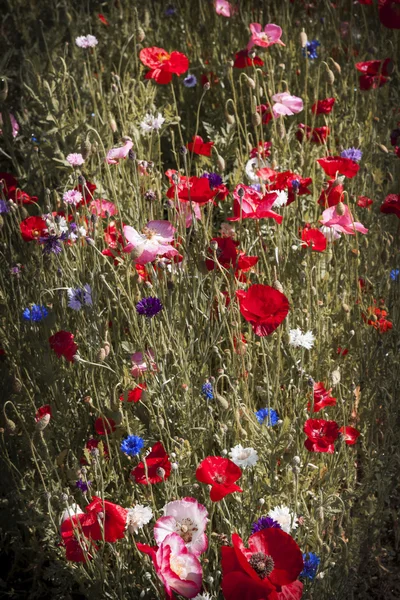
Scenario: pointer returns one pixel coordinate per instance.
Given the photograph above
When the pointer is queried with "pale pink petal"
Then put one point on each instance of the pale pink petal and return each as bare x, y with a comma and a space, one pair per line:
223, 8
255, 28
116, 154
163, 527
280, 110
163, 229
273, 31
133, 236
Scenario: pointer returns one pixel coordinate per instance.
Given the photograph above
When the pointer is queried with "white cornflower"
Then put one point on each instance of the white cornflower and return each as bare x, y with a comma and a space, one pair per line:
281, 199
283, 516
243, 457
86, 41
252, 166
299, 339
204, 596
137, 517
152, 123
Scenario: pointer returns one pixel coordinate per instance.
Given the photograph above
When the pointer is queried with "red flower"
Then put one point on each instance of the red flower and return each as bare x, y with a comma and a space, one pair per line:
323, 107
332, 194
229, 257
243, 60
377, 319
321, 435
391, 205
342, 351
263, 149
350, 435
317, 135
313, 238
389, 13
42, 412
63, 344
364, 202
33, 228
192, 189
322, 397
375, 73
221, 473
250, 204
263, 307
13, 192
133, 395
76, 533
198, 146
158, 466
296, 185
86, 189
266, 113
103, 19
104, 426
162, 65
272, 563
110, 520
332, 165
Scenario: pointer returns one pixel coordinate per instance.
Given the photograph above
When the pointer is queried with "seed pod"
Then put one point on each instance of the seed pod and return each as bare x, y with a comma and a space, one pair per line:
223, 402
383, 148
43, 422
278, 286
303, 39
221, 164
346, 307
337, 67
140, 34
256, 119
340, 209
113, 124
106, 348
16, 385
101, 355
10, 426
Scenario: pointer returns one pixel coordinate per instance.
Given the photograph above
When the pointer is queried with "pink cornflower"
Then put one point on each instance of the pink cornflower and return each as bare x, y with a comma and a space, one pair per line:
153, 241
285, 104
75, 159
264, 37
116, 154
341, 223
72, 197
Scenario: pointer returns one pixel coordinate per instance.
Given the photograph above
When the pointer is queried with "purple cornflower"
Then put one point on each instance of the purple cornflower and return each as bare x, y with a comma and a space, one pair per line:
190, 81
4, 207
149, 307
352, 153
52, 243
214, 179
79, 297
295, 185
83, 485
170, 11
264, 523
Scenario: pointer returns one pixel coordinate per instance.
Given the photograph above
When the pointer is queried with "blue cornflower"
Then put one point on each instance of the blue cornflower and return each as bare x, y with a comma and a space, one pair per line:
264, 523
35, 313
267, 414
213, 178
310, 51
352, 153
132, 445
79, 297
394, 274
83, 485
149, 307
311, 565
295, 185
4, 207
207, 390
170, 11
190, 81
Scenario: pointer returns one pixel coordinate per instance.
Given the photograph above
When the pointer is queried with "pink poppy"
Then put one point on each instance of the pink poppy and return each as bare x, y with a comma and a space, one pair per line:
285, 104
341, 223
152, 242
266, 37
14, 125
142, 362
116, 154
187, 518
189, 210
103, 208
250, 204
224, 8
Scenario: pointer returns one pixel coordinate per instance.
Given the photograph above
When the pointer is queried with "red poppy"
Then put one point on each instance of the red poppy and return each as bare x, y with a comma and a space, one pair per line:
377, 318
110, 520
323, 107
389, 13
272, 562
103, 19
93, 444
391, 205
42, 412
250, 204
158, 467
333, 193
192, 189
263, 150
321, 435
332, 165
87, 190
317, 135
243, 60
364, 202
350, 435
296, 185
265, 112
342, 351
263, 307
76, 533
322, 398
63, 344
133, 395
162, 64
375, 73
198, 146
229, 257
221, 473
313, 238
33, 228
13, 192
104, 426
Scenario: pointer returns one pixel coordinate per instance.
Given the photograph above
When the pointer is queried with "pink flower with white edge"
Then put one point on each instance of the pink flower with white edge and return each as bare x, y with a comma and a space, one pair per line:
116, 154
152, 242
178, 569
341, 223
75, 159
266, 37
188, 519
224, 8
142, 362
285, 104
102, 208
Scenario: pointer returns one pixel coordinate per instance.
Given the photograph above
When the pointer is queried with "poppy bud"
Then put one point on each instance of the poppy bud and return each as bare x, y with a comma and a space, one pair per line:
214, 245
10, 426
383, 148
3, 89
346, 307
206, 86
303, 38
337, 67
113, 124
43, 422
278, 286
160, 472
101, 355
221, 163
340, 209
230, 119
250, 82
140, 34
330, 76
256, 119
107, 348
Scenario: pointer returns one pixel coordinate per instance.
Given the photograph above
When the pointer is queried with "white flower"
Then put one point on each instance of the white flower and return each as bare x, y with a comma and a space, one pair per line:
252, 166
187, 518
283, 516
243, 457
202, 597
281, 199
70, 511
330, 233
137, 517
86, 41
152, 123
299, 339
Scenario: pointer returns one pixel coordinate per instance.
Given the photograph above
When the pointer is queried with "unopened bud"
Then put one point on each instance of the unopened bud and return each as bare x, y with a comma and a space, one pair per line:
256, 119
221, 164
340, 209
160, 472
43, 422
278, 286
250, 82
303, 39
230, 119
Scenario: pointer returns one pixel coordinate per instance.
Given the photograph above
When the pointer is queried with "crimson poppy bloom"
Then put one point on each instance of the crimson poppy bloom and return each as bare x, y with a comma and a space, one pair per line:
32, 228
13, 192
268, 568
342, 351
296, 185
321, 435
191, 189
221, 473
103, 19
250, 204
350, 435
263, 307
317, 135
375, 73
263, 150
104, 426
323, 107
332, 165
229, 257
162, 64
76, 534
198, 146
42, 412
63, 344
266, 113
110, 520
322, 397
158, 467
313, 238
134, 395
333, 193
364, 202
389, 13
243, 60
377, 318
391, 205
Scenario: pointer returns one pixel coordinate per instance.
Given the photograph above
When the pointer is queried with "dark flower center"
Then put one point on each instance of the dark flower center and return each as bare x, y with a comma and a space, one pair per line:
262, 564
